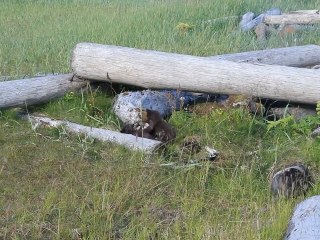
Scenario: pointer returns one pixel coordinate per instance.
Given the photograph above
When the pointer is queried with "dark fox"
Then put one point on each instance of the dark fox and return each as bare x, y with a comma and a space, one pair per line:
152, 127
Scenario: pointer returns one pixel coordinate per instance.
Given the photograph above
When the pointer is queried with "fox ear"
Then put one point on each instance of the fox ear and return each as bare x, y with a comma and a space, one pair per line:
153, 114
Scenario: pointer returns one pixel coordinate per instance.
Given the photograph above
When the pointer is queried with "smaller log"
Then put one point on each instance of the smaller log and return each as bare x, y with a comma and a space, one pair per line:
313, 11
292, 19
305, 222
37, 90
127, 140
296, 56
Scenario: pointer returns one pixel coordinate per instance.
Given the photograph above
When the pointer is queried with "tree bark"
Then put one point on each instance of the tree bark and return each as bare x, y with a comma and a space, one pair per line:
305, 222
292, 19
297, 56
127, 140
37, 90
159, 70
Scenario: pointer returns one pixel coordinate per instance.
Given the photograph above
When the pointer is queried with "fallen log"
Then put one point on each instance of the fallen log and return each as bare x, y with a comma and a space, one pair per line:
292, 19
159, 70
312, 11
127, 140
297, 56
37, 90
305, 222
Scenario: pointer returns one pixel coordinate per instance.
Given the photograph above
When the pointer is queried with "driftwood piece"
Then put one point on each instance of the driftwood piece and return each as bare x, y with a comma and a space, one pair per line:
159, 70
305, 222
127, 140
297, 56
37, 90
312, 11
292, 19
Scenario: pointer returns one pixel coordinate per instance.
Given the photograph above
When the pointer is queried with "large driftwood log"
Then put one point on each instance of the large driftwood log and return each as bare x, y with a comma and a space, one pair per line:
37, 90
127, 140
297, 56
292, 19
305, 222
159, 70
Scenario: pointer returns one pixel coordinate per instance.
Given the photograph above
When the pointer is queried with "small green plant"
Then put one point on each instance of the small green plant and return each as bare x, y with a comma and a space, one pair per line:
282, 123
184, 27
69, 97
289, 124
318, 108
307, 124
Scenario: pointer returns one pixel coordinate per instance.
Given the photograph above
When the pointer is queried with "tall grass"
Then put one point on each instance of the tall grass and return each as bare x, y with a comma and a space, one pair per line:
38, 36
52, 183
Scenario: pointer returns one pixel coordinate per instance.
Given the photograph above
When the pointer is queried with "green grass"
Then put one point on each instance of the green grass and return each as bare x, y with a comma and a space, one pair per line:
52, 182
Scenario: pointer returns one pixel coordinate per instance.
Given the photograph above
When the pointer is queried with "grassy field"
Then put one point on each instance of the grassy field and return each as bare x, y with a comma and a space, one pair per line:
53, 183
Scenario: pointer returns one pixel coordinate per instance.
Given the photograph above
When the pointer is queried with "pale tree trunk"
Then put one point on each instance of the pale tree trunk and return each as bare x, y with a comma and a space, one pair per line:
25, 92
159, 70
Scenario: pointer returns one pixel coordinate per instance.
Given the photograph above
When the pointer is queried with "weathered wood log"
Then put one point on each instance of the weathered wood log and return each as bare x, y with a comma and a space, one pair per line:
305, 222
159, 70
297, 56
37, 90
127, 140
312, 11
292, 19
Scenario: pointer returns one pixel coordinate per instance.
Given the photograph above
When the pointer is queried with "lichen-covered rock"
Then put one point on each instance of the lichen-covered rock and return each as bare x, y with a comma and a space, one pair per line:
305, 222
129, 105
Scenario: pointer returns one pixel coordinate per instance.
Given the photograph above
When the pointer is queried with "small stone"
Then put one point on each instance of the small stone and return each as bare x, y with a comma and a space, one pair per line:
315, 133
246, 21
274, 11
291, 181
191, 145
212, 153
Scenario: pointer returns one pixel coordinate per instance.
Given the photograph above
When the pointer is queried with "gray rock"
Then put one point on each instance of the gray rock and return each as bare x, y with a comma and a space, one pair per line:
296, 112
128, 105
249, 21
315, 133
305, 222
292, 180
274, 11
